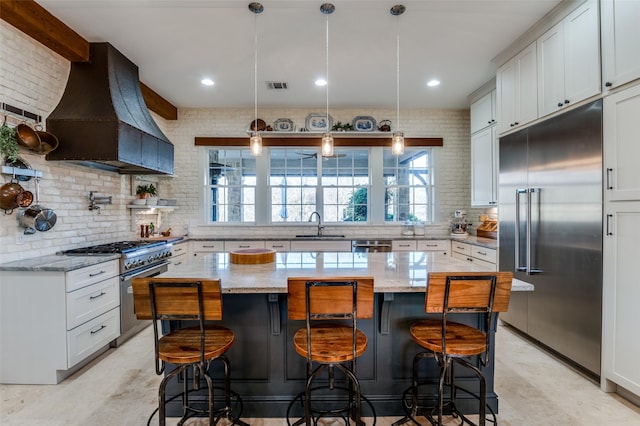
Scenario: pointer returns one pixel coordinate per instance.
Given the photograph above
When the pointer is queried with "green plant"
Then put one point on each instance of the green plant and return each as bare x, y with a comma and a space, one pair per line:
147, 189
340, 127
8, 143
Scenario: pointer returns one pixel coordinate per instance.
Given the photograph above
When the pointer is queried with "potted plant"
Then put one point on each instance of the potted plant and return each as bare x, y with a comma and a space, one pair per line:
8, 143
146, 191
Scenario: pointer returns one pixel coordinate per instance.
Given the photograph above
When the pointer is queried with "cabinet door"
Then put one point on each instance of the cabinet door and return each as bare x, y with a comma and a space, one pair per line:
620, 35
483, 171
582, 53
506, 96
526, 86
621, 128
483, 112
550, 50
621, 322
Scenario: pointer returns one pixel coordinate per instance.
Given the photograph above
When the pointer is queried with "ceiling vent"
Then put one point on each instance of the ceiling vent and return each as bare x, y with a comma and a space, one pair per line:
276, 85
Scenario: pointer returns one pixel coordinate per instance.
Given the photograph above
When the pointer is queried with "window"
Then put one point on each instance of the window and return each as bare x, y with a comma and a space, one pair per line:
232, 185
408, 186
291, 183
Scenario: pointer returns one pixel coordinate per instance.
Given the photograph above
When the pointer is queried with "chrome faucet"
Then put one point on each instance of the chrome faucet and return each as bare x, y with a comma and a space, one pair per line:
320, 227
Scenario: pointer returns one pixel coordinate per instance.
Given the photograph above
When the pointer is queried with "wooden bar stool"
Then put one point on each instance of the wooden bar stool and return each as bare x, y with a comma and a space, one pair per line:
452, 342
331, 346
161, 299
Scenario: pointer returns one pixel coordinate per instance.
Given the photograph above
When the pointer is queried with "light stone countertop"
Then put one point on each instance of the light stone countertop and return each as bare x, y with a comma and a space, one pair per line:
393, 272
57, 263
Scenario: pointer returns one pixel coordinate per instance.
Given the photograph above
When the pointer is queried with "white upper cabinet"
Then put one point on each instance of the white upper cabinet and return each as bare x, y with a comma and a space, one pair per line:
621, 133
516, 91
484, 170
620, 42
569, 60
483, 112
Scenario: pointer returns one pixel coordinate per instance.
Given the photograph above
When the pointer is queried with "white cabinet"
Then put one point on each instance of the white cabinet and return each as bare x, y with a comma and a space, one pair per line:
403, 245
484, 167
621, 322
621, 346
569, 60
516, 90
278, 245
483, 112
240, 245
51, 322
178, 254
620, 39
324, 245
478, 255
621, 134
437, 247
203, 247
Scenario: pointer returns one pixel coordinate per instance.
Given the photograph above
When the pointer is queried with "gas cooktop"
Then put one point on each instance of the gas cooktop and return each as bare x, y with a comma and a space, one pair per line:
118, 247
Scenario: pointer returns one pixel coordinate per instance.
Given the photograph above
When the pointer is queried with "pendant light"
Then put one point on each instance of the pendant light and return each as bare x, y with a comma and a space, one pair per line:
327, 139
397, 140
255, 142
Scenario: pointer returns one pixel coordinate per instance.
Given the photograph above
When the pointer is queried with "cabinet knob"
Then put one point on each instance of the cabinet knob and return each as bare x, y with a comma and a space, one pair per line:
608, 84
566, 101
516, 123
559, 104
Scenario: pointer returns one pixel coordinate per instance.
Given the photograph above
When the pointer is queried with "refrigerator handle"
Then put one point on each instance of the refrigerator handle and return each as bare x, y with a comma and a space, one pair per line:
531, 242
518, 266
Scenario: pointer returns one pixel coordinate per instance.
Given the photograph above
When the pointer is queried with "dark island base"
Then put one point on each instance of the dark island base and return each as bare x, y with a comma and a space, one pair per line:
267, 373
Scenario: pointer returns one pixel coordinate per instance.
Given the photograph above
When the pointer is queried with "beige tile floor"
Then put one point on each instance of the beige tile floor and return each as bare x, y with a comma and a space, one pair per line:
119, 388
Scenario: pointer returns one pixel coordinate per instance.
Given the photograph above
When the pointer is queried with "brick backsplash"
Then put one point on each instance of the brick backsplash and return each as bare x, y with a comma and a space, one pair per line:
33, 78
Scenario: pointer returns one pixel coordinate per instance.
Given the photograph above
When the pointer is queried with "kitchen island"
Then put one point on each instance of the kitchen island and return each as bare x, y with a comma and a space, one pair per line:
265, 369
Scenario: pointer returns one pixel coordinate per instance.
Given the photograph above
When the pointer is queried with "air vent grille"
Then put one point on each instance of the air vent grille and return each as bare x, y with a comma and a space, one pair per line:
276, 85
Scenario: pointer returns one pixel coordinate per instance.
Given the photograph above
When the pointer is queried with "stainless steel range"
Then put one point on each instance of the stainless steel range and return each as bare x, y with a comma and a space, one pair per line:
137, 259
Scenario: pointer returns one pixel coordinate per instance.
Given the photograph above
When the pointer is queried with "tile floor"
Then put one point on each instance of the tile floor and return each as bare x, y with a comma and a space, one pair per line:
119, 388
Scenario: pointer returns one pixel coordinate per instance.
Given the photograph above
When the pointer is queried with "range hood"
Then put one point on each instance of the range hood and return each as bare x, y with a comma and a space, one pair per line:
102, 120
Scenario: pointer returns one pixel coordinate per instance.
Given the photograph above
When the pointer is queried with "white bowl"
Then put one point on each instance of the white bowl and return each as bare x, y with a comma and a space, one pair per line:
139, 202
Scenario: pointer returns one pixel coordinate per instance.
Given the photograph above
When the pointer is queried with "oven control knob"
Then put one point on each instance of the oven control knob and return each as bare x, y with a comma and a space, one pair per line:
150, 259
127, 265
140, 262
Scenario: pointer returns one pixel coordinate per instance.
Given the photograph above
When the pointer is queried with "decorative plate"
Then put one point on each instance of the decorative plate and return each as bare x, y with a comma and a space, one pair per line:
364, 123
317, 122
283, 125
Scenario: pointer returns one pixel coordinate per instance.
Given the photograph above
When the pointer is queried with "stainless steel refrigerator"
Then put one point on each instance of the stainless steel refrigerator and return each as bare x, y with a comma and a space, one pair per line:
550, 231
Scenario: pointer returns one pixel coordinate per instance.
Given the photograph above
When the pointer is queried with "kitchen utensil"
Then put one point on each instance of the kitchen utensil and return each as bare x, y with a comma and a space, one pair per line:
384, 126
38, 217
27, 136
48, 142
24, 199
261, 125
8, 194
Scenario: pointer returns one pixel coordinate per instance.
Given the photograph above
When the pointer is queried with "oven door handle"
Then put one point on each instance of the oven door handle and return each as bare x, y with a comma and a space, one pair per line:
137, 274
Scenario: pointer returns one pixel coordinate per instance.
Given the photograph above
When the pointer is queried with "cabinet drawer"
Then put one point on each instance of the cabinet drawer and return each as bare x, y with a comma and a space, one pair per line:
433, 245
321, 246
89, 302
178, 250
239, 245
486, 254
481, 264
86, 339
403, 245
208, 246
462, 248
92, 274
278, 245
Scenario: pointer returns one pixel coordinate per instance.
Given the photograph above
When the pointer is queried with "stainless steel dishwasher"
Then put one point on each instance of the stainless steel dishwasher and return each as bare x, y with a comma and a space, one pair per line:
370, 246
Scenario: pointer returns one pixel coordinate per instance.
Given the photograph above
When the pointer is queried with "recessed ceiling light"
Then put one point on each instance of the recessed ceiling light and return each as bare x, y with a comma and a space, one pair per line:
433, 83
321, 82
207, 82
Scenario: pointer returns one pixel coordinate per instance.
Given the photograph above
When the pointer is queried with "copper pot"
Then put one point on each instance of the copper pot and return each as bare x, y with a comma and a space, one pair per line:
8, 196
48, 142
27, 136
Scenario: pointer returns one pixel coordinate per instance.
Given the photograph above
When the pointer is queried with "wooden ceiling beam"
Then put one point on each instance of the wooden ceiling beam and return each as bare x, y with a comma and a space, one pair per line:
304, 141
39, 24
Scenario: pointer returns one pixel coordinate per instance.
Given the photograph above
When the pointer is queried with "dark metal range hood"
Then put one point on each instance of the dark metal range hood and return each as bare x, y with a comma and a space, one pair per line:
102, 120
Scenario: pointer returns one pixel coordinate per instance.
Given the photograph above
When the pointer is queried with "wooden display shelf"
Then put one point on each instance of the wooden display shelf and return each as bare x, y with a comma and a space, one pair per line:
347, 139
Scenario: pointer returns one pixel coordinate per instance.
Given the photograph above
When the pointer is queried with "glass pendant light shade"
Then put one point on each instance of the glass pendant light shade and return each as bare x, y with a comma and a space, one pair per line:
397, 143
327, 145
255, 143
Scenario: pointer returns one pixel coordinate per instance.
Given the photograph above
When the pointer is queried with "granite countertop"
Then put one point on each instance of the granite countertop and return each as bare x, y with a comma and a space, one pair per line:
57, 263
393, 272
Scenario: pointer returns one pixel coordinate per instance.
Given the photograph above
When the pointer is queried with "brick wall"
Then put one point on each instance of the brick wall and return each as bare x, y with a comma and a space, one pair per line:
33, 78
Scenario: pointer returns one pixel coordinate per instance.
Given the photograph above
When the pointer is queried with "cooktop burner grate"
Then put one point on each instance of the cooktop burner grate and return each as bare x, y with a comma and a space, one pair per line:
118, 247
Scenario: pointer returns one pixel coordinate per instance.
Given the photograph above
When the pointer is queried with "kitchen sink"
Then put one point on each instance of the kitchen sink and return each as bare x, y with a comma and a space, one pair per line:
316, 236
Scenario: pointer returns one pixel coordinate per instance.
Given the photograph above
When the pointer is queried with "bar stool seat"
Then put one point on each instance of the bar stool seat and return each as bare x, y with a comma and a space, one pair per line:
192, 348
330, 346
450, 342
